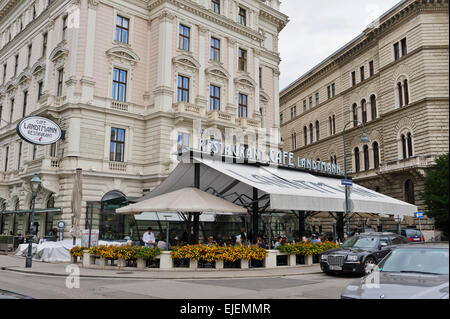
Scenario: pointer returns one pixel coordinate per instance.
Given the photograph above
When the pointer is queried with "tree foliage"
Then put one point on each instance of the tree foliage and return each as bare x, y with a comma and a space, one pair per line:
436, 193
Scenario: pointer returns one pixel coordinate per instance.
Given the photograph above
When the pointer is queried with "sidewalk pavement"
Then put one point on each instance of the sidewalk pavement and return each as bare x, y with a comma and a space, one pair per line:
17, 264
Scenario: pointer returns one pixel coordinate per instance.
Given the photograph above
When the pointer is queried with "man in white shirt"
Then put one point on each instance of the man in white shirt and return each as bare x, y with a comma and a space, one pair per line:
149, 238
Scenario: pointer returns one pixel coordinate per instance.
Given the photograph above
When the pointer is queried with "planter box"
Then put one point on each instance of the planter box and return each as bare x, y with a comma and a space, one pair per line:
193, 264
206, 264
165, 262
300, 260
219, 264
234, 265
282, 260
180, 263
131, 263
74, 259
292, 260
258, 264
308, 260
152, 263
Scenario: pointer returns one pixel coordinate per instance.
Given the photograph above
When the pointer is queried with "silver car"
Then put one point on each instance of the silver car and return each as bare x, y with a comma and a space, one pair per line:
415, 271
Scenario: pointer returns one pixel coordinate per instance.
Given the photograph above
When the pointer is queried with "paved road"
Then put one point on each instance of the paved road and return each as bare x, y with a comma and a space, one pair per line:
308, 286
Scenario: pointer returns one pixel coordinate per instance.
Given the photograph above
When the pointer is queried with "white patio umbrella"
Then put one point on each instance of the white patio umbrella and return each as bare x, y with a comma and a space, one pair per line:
186, 200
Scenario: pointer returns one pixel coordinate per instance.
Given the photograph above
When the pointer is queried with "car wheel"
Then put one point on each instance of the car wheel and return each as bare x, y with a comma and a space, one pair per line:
369, 265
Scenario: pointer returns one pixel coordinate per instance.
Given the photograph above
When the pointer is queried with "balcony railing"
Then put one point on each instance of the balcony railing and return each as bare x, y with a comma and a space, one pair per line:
223, 117
405, 164
121, 106
188, 108
118, 166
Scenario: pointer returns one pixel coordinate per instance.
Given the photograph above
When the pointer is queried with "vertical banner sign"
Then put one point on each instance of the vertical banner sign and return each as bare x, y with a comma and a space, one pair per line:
39, 130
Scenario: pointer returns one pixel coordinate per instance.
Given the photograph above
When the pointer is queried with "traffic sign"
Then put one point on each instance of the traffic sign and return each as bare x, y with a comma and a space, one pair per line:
419, 215
346, 182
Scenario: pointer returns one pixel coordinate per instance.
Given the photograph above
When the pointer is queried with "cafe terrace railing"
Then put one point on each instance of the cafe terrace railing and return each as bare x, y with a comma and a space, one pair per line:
198, 257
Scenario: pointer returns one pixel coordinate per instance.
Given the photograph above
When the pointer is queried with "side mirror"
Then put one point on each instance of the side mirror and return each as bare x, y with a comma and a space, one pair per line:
382, 245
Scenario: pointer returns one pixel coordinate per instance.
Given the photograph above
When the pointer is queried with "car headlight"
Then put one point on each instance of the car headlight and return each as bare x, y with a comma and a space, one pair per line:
324, 257
352, 258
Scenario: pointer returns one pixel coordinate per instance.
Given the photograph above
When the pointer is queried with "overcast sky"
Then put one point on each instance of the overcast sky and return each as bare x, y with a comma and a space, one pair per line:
320, 27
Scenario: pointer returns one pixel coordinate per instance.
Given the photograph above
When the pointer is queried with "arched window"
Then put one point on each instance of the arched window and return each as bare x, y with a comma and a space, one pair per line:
406, 91
409, 192
331, 125
376, 155
51, 202
364, 111
294, 140
410, 146
305, 135
366, 157
373, 107
400, 94
334, 124
311, 133
355, 114
404, 146
357, 164
335, 159
317, 131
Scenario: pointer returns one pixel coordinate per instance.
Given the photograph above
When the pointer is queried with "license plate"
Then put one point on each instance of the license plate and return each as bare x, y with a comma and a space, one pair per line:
335, 268
416, 239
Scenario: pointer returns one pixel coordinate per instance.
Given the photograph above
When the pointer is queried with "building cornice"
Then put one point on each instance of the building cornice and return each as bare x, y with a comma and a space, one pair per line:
365, 41
206, 14
6, 6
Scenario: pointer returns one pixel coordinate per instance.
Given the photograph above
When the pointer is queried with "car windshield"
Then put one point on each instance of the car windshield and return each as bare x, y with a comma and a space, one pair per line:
360, 242
417, 260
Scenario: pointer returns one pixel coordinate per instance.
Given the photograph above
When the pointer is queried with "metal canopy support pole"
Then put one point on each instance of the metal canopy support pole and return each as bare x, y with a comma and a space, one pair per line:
301, 224
255, 215
196, 215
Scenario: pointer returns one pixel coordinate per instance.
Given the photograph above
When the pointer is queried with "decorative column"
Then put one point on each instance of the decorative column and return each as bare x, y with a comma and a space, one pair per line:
73, 136
201, 100
163, 92
74, 26
231, 107
87, 80
276, 98
256, 111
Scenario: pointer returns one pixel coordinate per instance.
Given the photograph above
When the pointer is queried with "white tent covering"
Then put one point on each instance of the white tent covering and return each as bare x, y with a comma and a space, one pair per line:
55, 251
171, 217
287, 189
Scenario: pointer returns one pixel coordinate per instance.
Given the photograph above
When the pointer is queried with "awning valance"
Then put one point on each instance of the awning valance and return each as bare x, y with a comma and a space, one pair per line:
36, 211
280, 189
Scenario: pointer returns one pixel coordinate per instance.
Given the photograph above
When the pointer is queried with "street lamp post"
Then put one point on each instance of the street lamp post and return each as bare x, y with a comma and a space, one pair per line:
364, 139
35, 184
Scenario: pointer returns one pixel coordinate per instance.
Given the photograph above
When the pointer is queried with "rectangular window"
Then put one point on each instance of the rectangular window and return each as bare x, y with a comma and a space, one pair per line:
16, 64
317, 99
281, 118
184, 39
12, 111
30, 48
242, 16
333, 90
242, 60
214, 102
44, 44
64, 28
215, 6
260, 78
310, 102
183, 89
53, 150
361, 69
215, 49
353, 78
293, 112
40, 87
404, 47
117, 146
371, 68
25, 98
304, 106
242, 105
59, 90
34, 152
122, 29
396, 51
20, 155
119, 85
6, 158
4, 73
1, 111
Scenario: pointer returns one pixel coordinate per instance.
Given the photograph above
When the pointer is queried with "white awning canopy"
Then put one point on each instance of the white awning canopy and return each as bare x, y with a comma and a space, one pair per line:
280, 189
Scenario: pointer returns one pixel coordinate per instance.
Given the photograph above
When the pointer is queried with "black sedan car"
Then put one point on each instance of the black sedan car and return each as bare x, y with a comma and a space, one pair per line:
418, 271
360, 254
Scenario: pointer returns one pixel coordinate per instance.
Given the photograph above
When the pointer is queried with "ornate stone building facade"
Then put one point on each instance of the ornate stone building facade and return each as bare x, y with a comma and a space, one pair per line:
394, 78
125, 80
